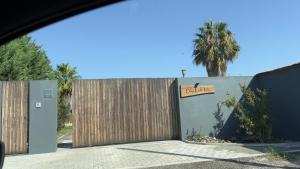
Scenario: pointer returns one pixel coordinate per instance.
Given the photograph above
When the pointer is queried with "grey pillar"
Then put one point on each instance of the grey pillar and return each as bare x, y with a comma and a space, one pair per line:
42, 116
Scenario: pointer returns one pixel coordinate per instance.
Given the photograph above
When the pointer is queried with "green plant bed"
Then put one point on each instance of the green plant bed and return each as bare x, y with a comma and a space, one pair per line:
279, 155
251, 139
206, 139
245, 140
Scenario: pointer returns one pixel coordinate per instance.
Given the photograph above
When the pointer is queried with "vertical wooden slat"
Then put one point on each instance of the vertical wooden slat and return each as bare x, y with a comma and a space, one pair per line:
124, 110
14, 116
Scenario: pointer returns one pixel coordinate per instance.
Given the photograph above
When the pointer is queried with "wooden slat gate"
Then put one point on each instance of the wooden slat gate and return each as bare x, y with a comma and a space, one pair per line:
15, 116
124, 110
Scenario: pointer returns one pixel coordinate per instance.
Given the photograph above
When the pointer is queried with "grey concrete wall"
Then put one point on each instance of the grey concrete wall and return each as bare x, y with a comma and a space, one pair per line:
42, 116
283, 86
197, 112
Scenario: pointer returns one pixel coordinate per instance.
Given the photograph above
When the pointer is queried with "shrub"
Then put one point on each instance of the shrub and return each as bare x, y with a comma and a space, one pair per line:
273, 154
63, 112
253, 113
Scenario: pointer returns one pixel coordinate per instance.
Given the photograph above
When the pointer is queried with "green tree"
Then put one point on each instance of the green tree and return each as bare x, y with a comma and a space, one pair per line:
65, 74
253, 113
23, 59
214, 47
63, 113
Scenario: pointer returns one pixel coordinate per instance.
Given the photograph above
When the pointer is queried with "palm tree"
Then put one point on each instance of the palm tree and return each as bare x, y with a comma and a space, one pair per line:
65, 74
215, 46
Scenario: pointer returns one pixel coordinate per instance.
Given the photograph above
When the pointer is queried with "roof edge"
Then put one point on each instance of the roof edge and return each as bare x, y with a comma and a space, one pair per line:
281, 69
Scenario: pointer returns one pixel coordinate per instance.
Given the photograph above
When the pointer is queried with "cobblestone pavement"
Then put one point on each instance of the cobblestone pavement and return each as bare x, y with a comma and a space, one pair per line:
135, 155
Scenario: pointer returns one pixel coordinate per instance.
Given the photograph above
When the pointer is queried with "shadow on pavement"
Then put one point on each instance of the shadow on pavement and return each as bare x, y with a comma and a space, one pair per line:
212, 158
289, 148
64, 145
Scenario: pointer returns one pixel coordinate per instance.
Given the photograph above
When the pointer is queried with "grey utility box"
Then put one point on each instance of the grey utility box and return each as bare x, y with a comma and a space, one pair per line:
42, 116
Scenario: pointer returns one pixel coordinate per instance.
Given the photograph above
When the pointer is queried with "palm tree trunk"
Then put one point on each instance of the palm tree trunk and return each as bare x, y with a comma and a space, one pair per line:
219, 70
212, 72
216, 71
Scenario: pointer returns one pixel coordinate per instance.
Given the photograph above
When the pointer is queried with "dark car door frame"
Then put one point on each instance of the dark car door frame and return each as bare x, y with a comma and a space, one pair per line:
20, 17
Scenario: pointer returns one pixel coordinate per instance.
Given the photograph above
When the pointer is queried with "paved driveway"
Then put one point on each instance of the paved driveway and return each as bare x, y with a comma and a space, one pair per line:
135, 155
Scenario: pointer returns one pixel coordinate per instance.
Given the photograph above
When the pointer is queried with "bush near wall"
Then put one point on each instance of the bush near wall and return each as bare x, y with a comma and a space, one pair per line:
63, 112
253, 113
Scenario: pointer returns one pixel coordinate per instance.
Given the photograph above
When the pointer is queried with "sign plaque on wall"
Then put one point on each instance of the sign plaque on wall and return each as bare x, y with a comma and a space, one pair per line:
193, 90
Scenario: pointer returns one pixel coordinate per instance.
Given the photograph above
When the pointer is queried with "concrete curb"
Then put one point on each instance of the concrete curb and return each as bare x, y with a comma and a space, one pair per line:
246, 144
59, 139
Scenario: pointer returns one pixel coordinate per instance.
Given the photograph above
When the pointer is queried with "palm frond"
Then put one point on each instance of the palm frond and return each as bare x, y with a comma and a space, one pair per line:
214, 47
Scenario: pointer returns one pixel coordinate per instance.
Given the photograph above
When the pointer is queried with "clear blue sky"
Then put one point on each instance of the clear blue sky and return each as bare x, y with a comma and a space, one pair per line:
153, 38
